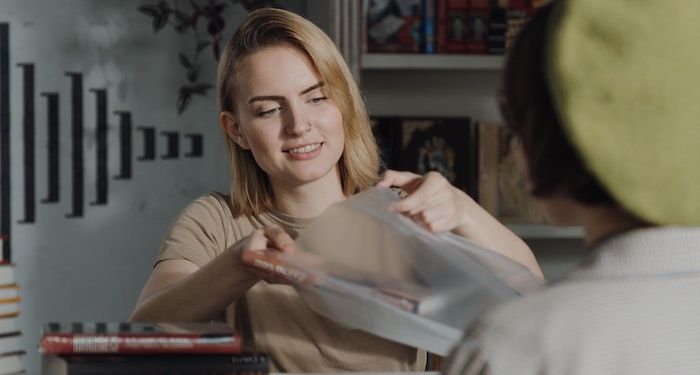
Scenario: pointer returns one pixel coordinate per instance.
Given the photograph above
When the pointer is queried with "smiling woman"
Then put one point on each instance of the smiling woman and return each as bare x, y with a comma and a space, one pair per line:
299, 140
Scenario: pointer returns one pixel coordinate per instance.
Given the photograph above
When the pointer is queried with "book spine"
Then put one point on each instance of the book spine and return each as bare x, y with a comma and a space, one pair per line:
62, 343
268, 263
429, 19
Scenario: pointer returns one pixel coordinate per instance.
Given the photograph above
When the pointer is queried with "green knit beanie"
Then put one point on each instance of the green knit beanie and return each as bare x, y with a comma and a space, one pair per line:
625, 76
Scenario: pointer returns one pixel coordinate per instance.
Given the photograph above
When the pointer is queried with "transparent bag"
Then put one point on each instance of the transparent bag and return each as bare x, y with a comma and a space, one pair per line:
375, 270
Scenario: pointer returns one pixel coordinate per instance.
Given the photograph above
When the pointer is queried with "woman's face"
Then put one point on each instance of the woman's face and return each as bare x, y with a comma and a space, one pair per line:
284, 117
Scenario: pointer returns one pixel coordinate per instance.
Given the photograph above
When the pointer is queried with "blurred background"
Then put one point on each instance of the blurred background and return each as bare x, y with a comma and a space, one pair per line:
109, 127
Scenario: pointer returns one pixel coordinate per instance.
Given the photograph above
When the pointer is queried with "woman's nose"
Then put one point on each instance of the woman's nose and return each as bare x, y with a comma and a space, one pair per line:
297, 124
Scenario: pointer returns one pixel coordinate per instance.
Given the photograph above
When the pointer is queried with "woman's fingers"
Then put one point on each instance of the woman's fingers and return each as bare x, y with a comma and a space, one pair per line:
279, 239
392, 178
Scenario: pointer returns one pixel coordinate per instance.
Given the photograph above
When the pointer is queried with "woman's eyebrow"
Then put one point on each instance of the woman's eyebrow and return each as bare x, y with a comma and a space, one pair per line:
312, 88
281, 98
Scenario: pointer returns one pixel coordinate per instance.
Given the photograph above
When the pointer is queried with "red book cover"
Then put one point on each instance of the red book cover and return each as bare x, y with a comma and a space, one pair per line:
139, 338
311, 270
452, 26
477, 26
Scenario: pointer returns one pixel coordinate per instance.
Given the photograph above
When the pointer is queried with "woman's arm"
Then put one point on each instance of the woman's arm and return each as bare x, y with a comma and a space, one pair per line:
178, 291
438, 206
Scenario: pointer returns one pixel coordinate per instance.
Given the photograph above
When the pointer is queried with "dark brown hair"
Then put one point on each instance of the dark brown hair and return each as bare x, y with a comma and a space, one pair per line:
553, 164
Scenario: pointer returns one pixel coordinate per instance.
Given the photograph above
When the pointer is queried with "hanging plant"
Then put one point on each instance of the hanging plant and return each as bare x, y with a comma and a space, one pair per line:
202, 15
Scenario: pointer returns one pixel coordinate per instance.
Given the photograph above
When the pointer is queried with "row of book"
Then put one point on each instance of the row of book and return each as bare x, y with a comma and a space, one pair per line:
147, 348
11, 350
477, 157
444, 26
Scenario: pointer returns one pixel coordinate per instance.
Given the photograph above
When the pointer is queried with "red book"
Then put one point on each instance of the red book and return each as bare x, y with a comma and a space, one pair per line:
313, 271
139, 338
478, 21
453, 26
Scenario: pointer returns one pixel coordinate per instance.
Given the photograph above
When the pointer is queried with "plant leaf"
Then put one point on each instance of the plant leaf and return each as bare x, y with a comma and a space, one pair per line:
215, 25
217, 51
193, 74
159, 22
202, 45
183, 99
185, 61
201, 88
151, 10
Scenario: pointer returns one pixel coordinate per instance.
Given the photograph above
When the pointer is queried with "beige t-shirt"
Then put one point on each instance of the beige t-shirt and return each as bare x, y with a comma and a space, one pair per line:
282, 325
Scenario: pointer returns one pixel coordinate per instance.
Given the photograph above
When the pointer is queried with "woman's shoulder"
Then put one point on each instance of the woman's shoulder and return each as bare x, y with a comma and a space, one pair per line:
212, 205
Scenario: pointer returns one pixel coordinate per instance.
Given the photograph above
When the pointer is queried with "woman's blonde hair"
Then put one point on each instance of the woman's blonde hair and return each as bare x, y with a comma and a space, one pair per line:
251, 192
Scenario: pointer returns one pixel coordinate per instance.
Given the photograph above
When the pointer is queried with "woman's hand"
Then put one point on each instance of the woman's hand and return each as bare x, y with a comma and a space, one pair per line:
438, 206
432, 201
259, 249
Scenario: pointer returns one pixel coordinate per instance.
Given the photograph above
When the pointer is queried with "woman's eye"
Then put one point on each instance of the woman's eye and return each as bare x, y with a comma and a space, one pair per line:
268, 112
318, 100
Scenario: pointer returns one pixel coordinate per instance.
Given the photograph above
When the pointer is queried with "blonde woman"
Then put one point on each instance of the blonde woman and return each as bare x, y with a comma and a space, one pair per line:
299, 140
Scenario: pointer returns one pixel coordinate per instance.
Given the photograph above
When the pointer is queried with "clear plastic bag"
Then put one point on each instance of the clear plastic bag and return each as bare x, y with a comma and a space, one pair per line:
375, 270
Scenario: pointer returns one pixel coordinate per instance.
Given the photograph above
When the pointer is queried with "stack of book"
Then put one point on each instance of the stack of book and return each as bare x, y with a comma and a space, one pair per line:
443, 26
11, 352
146, 348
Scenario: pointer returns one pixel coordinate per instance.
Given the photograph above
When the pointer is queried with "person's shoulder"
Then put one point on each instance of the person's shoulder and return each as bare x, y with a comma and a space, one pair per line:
520, 334
527, 315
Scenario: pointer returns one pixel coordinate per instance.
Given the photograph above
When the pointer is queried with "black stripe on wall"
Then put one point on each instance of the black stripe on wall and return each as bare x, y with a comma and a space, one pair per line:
78, 171
124, 145
52, 154
149, 142
28, 139
196, 146
172, 150
101, 176
5, 183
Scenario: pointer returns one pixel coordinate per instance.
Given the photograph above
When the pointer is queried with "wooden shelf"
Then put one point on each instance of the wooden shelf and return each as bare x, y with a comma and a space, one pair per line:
379, 61
539, 231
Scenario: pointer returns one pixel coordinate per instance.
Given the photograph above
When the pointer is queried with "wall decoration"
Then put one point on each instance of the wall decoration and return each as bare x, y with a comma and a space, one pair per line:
28, 141
52, 154
124, 145
5, 188
77, 144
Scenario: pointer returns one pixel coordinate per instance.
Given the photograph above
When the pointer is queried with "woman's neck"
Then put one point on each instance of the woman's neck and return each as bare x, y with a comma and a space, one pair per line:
600, 222
310, 199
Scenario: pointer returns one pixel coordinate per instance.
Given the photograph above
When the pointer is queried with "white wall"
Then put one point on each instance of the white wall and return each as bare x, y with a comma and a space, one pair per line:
92, 268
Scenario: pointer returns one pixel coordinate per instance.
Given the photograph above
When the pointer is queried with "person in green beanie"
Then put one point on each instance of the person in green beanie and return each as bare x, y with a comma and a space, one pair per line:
600, 95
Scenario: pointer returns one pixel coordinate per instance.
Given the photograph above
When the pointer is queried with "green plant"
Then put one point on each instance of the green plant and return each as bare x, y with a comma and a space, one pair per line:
206, 21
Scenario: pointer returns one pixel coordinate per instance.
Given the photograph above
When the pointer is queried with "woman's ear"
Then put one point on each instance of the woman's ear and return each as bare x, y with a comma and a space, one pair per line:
230, 125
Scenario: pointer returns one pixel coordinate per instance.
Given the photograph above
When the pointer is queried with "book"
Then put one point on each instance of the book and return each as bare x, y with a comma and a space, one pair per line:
498, 25
429, 26
7, 273
444, 145
394, 26
9, 342
502, 182
214, 364
9, 292
9, 307
11, 363
139, 338
8, 325
477, 26
452, 26
313, 271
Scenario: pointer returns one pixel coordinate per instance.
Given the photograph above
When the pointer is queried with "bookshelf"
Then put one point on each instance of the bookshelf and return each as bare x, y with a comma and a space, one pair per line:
387, 61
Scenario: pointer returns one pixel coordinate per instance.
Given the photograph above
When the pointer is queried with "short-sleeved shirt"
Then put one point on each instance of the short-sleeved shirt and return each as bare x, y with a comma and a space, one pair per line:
282, 325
